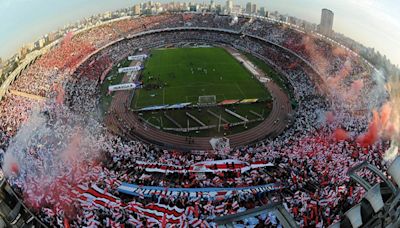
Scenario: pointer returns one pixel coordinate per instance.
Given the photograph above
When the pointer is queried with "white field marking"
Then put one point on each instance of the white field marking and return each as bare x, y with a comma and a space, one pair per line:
240, 90
163, 97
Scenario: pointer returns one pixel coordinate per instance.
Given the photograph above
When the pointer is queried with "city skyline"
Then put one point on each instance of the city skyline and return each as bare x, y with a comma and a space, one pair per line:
352, 18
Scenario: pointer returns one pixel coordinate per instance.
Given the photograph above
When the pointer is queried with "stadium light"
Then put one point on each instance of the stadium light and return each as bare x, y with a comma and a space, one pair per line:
394, 171
374, 197
364, 183
16, 215
283, 216
354, 215
335, 225
380, 206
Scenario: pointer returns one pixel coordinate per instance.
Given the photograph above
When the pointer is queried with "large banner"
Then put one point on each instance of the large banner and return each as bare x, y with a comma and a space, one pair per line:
126, 86
228, 102
137, 57
158, 107
157, 213
180, 105
210, 193
227, 165
129, 69
247, 101
153, 108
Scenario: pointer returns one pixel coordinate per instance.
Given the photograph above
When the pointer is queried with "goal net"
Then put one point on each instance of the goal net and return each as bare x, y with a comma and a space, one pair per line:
207, 100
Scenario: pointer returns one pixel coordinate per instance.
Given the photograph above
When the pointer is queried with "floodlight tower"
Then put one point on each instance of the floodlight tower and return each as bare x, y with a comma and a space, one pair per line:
13, 212
283, 216
380, 206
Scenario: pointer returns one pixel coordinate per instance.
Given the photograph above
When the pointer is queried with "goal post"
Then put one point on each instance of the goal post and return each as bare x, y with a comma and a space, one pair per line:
207, 100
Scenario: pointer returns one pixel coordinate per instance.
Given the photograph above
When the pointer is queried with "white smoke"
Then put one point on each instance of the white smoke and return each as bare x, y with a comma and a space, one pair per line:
392, 129
13, 156
51, 153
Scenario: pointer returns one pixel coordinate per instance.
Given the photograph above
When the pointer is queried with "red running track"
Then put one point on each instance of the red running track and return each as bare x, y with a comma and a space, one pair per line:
128, 125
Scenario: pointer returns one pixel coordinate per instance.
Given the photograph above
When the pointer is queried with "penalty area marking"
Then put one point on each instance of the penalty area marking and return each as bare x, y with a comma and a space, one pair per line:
197, 97
163, 97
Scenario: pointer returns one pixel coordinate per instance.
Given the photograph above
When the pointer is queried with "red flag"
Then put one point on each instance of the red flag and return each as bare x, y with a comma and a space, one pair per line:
196, 210
164, 220
66, 223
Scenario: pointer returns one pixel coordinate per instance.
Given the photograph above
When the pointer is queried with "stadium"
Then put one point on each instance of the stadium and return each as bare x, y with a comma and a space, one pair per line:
196, 120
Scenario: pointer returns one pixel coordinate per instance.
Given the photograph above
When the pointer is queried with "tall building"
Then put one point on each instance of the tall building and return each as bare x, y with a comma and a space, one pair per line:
23, 51
218, 8
325, 27
237, 9
254, 9
262, 11
248, 8
229, 6
212, 5
52, 36
136, 9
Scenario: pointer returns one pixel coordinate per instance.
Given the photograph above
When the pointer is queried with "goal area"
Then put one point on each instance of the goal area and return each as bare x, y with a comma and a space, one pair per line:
207, 100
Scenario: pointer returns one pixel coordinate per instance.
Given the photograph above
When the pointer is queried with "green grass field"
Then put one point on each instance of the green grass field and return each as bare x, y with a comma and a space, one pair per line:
178, 75
182, 75
271, 73
158, 118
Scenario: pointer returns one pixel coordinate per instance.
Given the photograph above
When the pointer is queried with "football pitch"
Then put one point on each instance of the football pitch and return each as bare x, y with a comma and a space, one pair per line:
178, 75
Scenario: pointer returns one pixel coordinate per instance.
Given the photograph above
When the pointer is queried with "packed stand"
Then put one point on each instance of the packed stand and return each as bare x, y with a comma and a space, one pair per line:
306, 158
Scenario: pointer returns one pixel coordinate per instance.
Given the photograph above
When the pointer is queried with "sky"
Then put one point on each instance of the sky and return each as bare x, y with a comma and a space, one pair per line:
374, 23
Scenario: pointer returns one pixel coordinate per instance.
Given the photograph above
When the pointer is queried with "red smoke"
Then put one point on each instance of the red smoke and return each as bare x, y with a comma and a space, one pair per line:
385, 114
293, 65
14, 167
381, 125
372, 135
330, 117
344, 72
339, 134
356, 87
338, 51
316, 56
67, 39
335, 82
72, 152
60, 93
56, 192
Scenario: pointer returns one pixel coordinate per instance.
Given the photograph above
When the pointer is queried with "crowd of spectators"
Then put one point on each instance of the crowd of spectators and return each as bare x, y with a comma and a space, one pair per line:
307, 159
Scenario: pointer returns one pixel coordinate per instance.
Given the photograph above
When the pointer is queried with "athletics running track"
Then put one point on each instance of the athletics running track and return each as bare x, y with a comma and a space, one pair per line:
127, 124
